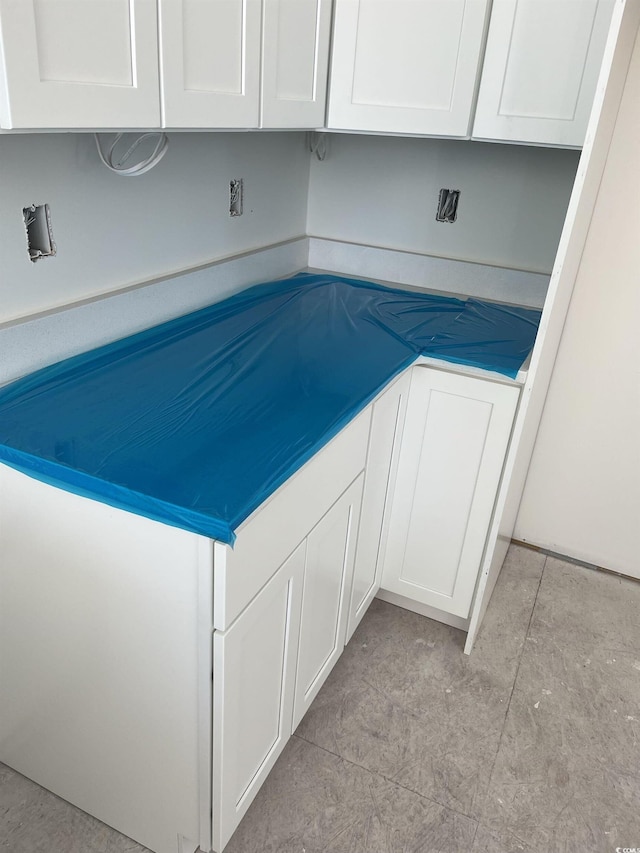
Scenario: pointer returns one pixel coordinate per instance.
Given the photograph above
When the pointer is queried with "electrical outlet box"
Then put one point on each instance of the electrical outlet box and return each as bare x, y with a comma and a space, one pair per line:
448, 205
236, 193
37, 222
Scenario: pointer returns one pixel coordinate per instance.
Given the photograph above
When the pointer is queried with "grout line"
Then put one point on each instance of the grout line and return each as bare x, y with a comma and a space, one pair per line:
390, 780
573, 561
515, 678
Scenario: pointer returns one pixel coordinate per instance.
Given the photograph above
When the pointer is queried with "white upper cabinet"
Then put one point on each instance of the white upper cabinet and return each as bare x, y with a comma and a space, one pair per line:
210, 62
541, 69
73, 63
295, 61
163, 63
405, 66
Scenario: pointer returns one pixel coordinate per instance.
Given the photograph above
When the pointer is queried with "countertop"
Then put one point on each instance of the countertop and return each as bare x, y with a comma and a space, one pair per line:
197, 421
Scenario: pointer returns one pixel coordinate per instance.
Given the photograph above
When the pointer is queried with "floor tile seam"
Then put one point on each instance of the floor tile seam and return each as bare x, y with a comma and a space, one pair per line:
391, 781
513, 685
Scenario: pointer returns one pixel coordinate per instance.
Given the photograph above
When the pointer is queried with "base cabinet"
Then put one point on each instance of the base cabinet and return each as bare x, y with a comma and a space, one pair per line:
453, 446
254, 668
384, 444
187, 664
269, 665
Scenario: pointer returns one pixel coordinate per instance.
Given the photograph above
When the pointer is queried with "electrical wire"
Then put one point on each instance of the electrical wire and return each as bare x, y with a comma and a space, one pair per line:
317, 144
143, 166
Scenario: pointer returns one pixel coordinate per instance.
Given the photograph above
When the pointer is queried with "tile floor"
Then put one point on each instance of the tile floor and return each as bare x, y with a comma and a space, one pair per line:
531, 744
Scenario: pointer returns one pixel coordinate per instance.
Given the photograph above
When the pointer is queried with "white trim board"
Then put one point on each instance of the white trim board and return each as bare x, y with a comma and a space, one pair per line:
429, 272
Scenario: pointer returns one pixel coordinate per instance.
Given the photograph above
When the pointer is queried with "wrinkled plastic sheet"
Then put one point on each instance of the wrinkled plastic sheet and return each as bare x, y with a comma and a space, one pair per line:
197, 421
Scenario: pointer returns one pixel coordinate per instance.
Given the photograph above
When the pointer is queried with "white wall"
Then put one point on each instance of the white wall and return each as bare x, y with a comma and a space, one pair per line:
113, 231
383, 191
582, 495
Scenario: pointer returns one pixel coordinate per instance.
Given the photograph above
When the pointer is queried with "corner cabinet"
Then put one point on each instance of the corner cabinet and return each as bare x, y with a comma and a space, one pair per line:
456, 433
163, 63
405, 66
540, 70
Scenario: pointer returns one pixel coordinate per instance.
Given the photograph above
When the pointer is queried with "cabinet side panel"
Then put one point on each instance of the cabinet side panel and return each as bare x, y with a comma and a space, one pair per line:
99, 664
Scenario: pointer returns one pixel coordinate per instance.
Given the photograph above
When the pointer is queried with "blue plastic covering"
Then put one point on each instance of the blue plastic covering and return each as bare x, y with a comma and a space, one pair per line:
196, 422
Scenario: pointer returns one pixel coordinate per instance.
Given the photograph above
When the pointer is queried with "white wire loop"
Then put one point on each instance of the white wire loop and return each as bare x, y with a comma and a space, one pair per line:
138, 168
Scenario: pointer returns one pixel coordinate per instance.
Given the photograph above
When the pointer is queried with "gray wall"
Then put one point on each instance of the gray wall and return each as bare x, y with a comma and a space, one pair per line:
113, 231
383, 191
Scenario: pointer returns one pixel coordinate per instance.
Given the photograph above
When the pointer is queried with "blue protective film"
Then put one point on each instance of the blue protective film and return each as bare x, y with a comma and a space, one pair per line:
196, 422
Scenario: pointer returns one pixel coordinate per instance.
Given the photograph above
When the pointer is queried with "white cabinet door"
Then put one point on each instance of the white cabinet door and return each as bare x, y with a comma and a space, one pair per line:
295, 62
70, 63
405, 66
327, 580
210, 62
386, 428
455, 437
254, 665
541, 69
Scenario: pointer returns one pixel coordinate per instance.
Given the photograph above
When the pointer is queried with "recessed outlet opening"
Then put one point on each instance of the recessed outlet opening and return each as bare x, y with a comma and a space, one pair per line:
236, 192
448, 205
37, 222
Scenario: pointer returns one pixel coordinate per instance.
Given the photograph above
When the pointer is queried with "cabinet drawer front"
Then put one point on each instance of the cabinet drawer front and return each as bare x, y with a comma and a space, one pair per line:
276, 528
456, 434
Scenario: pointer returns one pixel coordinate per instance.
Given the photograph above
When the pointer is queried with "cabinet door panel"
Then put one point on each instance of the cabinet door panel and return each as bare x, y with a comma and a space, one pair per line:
386, 427
405, 66
328, 571
254, 671
540, 70
295, 61
455, 437
70, 63
210, 62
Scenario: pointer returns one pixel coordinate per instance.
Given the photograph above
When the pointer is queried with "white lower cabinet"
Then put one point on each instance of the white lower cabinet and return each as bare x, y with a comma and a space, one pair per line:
254, 666
386, 429
269, 665
453, 446
187, 664
331, 550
